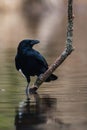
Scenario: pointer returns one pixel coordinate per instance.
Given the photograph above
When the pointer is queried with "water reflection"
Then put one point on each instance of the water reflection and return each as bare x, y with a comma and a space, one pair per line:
38, 112
70, 90
33, 112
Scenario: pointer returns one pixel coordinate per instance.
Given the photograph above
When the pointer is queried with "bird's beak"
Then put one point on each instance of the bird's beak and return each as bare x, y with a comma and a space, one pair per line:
35, 42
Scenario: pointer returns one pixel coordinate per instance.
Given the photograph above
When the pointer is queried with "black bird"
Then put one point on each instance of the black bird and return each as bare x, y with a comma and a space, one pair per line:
30, 62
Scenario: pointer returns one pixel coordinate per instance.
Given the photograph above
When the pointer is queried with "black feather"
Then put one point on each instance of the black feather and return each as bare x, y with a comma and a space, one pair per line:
30, 61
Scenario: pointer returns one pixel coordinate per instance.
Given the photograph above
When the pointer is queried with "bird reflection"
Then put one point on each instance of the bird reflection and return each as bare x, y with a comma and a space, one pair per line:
38, 113
33, 111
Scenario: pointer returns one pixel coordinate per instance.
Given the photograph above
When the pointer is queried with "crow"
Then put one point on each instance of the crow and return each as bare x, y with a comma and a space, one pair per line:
30, 62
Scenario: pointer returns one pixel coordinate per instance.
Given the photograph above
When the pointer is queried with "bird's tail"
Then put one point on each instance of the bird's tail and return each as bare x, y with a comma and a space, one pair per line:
52, 77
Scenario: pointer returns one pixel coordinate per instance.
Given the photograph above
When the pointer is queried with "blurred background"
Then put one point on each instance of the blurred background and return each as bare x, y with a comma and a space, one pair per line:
46, 21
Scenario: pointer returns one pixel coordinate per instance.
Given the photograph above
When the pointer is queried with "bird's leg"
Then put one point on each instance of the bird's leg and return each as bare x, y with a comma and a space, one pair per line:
27, 91
27, 88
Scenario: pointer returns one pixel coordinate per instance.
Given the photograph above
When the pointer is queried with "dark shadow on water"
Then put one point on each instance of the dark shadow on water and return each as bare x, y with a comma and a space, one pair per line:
36, 113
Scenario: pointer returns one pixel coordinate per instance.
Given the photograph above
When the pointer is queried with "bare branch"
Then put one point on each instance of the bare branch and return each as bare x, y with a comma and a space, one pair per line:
67, 51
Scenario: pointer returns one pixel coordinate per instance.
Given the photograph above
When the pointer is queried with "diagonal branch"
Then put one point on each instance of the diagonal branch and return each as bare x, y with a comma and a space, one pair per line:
67, 51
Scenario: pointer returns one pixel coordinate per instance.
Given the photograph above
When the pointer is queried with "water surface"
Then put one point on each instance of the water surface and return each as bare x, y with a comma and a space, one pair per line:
59, 105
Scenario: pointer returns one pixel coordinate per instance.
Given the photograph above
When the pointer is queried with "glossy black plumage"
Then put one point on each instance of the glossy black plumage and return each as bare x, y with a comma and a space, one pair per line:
30, 61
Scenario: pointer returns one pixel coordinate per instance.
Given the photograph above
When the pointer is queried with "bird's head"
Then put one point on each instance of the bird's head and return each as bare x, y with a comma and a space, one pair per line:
27, 44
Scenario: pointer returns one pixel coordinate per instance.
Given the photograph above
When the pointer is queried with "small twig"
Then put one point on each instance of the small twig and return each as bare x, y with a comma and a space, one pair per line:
65, 53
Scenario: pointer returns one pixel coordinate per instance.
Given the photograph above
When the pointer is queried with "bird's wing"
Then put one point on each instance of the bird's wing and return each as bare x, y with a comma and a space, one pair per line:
41, 60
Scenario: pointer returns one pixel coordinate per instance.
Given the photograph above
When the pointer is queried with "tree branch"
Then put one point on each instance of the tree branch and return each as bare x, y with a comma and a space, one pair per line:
67, 51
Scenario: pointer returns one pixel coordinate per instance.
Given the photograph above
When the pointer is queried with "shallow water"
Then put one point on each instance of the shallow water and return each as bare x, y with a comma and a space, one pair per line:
59, 105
